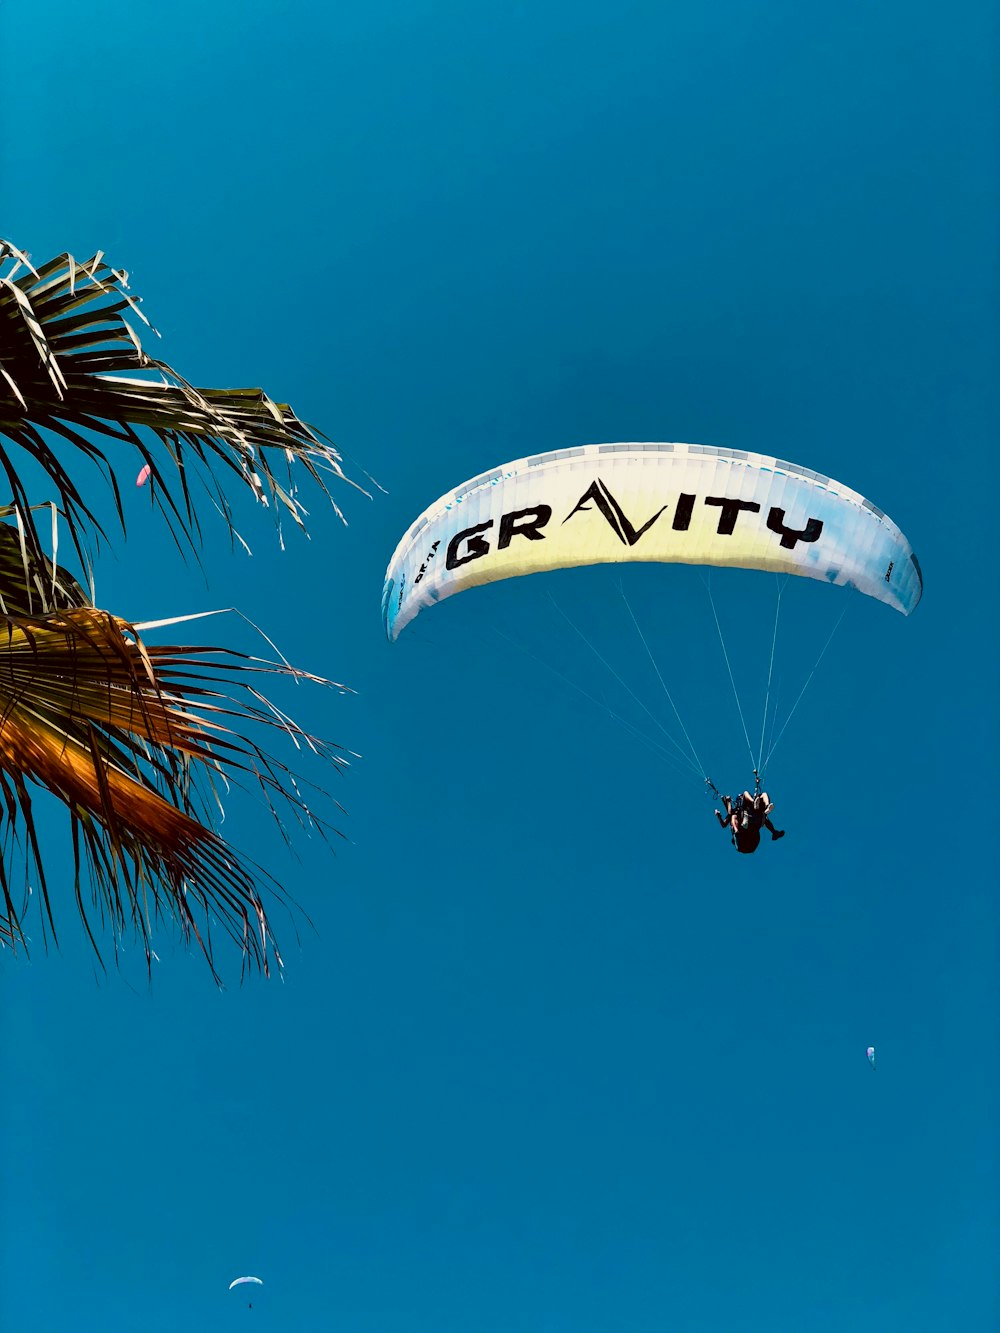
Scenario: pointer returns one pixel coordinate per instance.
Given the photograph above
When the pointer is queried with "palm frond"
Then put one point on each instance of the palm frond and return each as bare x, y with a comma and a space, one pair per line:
30, 583
120, 731
72, 366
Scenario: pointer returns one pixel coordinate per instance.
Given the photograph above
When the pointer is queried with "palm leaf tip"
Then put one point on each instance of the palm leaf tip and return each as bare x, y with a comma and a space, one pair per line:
73, 365
121, 732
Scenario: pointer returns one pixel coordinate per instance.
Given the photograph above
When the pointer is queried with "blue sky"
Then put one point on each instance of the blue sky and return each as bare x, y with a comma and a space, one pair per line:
553, 1058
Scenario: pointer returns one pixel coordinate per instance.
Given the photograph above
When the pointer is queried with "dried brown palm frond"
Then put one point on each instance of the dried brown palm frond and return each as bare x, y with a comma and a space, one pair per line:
120, 730
73, 371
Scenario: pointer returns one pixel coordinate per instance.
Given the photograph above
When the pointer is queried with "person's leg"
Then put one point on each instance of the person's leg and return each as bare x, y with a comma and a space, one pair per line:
775, 832
763, 807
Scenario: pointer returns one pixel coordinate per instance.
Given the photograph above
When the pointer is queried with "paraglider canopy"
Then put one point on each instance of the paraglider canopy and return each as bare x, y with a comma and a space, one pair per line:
668, 503
659, 502
238, 1281
871, 1056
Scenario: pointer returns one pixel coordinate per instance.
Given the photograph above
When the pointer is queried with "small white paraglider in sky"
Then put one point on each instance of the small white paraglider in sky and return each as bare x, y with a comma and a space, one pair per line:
239, 1281
871, 1056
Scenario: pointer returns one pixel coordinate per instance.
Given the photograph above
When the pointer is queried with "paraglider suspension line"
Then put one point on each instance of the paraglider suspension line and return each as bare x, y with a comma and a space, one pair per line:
604, 661
661, 750
659, 676
770, 672
812, 673
732, 681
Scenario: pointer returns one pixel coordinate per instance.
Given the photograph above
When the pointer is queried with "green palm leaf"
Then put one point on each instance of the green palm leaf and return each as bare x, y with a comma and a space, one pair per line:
72, 367
139, 742
30, 583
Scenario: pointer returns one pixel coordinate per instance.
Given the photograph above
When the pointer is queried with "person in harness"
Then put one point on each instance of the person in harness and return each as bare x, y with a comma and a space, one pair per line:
745, 817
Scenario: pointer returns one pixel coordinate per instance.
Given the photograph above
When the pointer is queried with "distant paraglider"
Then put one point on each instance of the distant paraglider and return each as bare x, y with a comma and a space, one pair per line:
143, 476
239, 1281
871, 1056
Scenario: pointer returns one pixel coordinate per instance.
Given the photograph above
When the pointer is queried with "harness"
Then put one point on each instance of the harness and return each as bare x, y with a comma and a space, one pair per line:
738, 803
747, 817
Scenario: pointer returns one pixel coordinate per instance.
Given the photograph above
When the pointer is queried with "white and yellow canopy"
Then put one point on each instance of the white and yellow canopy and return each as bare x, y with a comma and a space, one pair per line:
676, 503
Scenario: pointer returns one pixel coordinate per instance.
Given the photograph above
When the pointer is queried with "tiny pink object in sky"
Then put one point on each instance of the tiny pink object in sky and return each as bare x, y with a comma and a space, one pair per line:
143, 476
